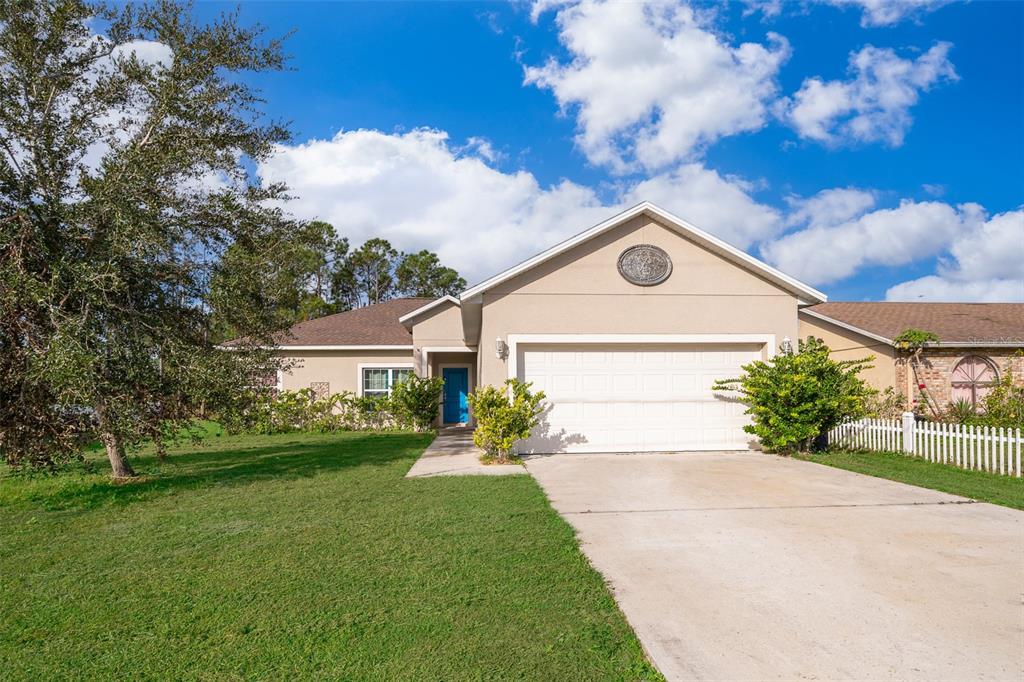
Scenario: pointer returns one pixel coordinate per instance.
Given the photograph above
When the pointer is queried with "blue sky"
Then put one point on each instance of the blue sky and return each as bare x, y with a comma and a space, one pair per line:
872, 149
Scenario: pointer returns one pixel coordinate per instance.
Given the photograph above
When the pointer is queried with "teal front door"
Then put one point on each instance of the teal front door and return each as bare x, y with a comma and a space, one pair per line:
456, 390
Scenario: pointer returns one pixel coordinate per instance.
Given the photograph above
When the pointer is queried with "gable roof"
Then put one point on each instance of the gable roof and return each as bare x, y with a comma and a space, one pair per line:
371, 326
410, 316
804, 292
956, 324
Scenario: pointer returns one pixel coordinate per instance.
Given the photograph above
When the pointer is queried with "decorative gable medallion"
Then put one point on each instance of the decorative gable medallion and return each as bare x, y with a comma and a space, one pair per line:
645, 265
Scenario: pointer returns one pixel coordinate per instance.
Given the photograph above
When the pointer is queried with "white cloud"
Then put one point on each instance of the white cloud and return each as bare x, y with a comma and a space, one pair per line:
830, 207
986, 264
889, 12
146, 51
713, 203
420, 191
942, 290
650, 84
769, 9
836, 243
874, 104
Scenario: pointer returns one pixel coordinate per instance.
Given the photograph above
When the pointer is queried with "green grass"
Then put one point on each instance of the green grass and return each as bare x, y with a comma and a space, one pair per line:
978, 485
298, 556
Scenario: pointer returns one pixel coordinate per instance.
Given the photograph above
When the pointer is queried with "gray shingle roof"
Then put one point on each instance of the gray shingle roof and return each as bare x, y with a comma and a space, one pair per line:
973, 323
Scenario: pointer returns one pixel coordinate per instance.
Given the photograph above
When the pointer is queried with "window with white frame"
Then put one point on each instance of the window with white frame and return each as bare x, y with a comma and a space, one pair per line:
378, 381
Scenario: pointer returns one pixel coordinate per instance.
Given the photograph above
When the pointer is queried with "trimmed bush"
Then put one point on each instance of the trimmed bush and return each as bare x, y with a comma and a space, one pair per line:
794, 397
504, 416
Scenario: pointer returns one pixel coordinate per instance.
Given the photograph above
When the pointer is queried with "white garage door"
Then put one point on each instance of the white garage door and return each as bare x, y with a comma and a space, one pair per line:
636, 399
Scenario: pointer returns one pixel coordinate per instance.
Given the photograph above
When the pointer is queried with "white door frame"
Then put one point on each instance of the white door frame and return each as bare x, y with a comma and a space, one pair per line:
425, 352
515, 340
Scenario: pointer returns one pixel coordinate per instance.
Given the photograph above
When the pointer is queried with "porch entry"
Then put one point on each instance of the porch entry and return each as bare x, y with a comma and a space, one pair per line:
456, 390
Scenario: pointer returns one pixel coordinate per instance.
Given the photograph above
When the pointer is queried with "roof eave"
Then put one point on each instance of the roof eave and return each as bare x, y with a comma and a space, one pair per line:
404, 320
847, 326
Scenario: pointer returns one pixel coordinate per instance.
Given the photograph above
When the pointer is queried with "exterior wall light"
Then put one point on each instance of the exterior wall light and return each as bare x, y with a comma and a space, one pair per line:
787, 346
500, 348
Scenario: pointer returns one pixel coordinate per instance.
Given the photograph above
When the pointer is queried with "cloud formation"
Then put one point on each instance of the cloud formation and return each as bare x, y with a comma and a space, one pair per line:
651, 84
874, 13
985, 263
889, 12
874, 104
419, 190
839, 224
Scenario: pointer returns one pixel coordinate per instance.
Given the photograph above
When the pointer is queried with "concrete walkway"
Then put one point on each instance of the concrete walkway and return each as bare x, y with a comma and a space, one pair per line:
746, 566
453, 454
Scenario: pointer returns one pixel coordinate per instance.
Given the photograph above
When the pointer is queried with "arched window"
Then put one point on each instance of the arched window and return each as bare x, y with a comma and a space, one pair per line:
973, 377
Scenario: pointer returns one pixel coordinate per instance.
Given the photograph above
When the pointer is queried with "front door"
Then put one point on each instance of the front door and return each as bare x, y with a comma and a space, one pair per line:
456, 390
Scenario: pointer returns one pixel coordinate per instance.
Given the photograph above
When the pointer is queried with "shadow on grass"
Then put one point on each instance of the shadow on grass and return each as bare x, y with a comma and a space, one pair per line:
225, 463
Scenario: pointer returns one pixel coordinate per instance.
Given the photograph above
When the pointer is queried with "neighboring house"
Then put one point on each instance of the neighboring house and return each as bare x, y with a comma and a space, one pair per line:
625, 327
978, 343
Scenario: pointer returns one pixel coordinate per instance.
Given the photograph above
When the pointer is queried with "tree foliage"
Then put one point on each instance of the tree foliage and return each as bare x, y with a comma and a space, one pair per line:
504, 416
794, 397
318, 273
372, 266
121, 184
421, 274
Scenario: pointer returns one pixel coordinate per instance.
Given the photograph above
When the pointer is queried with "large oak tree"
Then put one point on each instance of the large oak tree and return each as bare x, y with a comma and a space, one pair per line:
124, 138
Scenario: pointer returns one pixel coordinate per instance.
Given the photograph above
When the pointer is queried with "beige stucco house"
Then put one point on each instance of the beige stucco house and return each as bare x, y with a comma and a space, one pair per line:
625, 327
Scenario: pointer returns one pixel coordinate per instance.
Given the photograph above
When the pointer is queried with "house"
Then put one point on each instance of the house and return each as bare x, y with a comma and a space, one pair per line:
978, 343
625, 327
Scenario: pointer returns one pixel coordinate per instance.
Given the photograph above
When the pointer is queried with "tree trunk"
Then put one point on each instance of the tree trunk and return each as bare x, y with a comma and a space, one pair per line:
119, 467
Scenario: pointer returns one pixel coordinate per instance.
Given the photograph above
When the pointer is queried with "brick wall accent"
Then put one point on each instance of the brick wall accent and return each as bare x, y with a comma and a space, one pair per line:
936, 369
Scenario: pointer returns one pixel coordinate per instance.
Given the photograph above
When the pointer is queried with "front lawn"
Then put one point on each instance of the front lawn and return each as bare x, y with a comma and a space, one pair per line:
299, 556
978, 485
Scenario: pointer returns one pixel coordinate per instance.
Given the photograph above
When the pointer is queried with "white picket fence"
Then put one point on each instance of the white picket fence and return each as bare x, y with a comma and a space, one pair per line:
979, 448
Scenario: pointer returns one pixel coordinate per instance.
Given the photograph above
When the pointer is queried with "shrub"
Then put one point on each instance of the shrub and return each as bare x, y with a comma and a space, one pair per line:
794, 397
887, 404
504, 416
264, 412
417, 399
960, 412
1004, 404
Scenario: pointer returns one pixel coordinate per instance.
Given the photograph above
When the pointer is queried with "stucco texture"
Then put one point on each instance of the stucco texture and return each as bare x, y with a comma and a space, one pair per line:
848, 345
339, 368
581, 292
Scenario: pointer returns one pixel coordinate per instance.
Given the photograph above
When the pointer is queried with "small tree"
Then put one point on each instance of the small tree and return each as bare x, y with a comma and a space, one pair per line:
504, 417
795, 397
417, 400
913, 341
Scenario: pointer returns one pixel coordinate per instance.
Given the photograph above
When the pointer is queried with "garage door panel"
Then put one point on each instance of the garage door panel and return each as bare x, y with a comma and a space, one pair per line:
616, 399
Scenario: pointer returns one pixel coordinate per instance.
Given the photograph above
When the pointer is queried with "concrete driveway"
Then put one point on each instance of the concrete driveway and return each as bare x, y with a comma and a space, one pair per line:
750, 566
